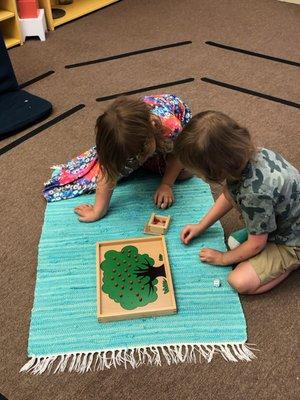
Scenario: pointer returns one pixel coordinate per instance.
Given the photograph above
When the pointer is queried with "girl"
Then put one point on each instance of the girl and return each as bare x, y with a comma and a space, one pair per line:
264, 187
131, 133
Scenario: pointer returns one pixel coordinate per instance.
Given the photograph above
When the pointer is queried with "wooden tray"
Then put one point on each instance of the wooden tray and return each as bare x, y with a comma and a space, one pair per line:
133, 279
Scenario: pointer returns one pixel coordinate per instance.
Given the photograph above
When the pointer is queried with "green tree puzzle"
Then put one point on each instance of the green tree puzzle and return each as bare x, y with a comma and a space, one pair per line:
130, 278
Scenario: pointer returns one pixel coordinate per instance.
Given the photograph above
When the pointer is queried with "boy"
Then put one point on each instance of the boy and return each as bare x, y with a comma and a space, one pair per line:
261, 184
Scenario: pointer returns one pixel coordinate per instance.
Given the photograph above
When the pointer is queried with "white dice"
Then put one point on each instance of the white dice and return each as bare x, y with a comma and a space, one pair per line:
217, 282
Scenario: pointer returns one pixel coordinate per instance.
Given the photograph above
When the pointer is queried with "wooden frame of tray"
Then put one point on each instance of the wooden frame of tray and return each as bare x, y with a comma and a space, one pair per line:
124, 279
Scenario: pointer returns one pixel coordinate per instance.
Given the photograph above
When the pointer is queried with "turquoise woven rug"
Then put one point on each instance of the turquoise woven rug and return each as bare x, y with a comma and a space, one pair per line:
64, 331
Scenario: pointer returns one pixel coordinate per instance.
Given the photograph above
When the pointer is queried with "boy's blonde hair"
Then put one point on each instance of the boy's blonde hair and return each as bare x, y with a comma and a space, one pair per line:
122, 135
215, 146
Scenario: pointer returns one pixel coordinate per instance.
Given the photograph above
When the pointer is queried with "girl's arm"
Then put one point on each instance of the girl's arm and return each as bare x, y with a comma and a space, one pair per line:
91, 213
172, 171
163, 196
219, 209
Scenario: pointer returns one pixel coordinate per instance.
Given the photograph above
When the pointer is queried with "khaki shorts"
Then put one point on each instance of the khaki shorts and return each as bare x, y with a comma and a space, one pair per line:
274, 260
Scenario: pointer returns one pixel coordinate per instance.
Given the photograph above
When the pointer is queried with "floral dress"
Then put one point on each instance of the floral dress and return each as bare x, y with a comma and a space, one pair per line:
79, 175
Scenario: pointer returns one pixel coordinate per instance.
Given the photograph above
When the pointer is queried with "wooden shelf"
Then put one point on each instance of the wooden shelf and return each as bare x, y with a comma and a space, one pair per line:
5, 14
9, 23
75, 10
11, 41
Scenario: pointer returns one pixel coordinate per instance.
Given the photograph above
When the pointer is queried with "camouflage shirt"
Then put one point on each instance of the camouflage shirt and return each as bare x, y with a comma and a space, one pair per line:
269, 198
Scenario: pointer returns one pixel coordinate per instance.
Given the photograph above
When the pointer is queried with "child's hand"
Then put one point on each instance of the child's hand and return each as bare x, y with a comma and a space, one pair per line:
189, 232
88, 213
211, 256
164, 197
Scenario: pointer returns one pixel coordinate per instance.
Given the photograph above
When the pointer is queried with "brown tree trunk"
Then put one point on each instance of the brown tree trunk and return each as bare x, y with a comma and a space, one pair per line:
157, 271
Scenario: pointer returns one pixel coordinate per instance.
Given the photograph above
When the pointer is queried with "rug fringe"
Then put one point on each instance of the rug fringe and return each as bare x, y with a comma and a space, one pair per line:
134, 357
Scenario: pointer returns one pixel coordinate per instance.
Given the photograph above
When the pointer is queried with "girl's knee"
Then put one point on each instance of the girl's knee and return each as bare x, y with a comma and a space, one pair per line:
184, 175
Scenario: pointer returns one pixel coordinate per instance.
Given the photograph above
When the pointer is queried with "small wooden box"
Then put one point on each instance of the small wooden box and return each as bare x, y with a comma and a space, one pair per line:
133, 279
157, 224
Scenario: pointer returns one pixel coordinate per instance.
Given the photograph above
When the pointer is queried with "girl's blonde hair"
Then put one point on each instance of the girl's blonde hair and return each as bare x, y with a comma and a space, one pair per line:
122, 135
215, 146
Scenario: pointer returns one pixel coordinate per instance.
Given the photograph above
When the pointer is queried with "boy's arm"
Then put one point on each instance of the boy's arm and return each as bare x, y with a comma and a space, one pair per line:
219, 209
254, 245
256, 213
246, 250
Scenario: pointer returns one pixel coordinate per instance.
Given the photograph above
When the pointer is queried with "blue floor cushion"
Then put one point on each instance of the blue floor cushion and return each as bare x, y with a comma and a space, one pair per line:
20, 109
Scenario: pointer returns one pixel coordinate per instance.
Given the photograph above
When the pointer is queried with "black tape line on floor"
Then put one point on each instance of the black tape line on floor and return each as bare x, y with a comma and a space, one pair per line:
145, 89
36, 79
41, 128
252, 53
129, 54
251, 92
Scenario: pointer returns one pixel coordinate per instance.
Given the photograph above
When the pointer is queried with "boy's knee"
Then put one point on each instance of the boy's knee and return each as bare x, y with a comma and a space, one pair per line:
238, 283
